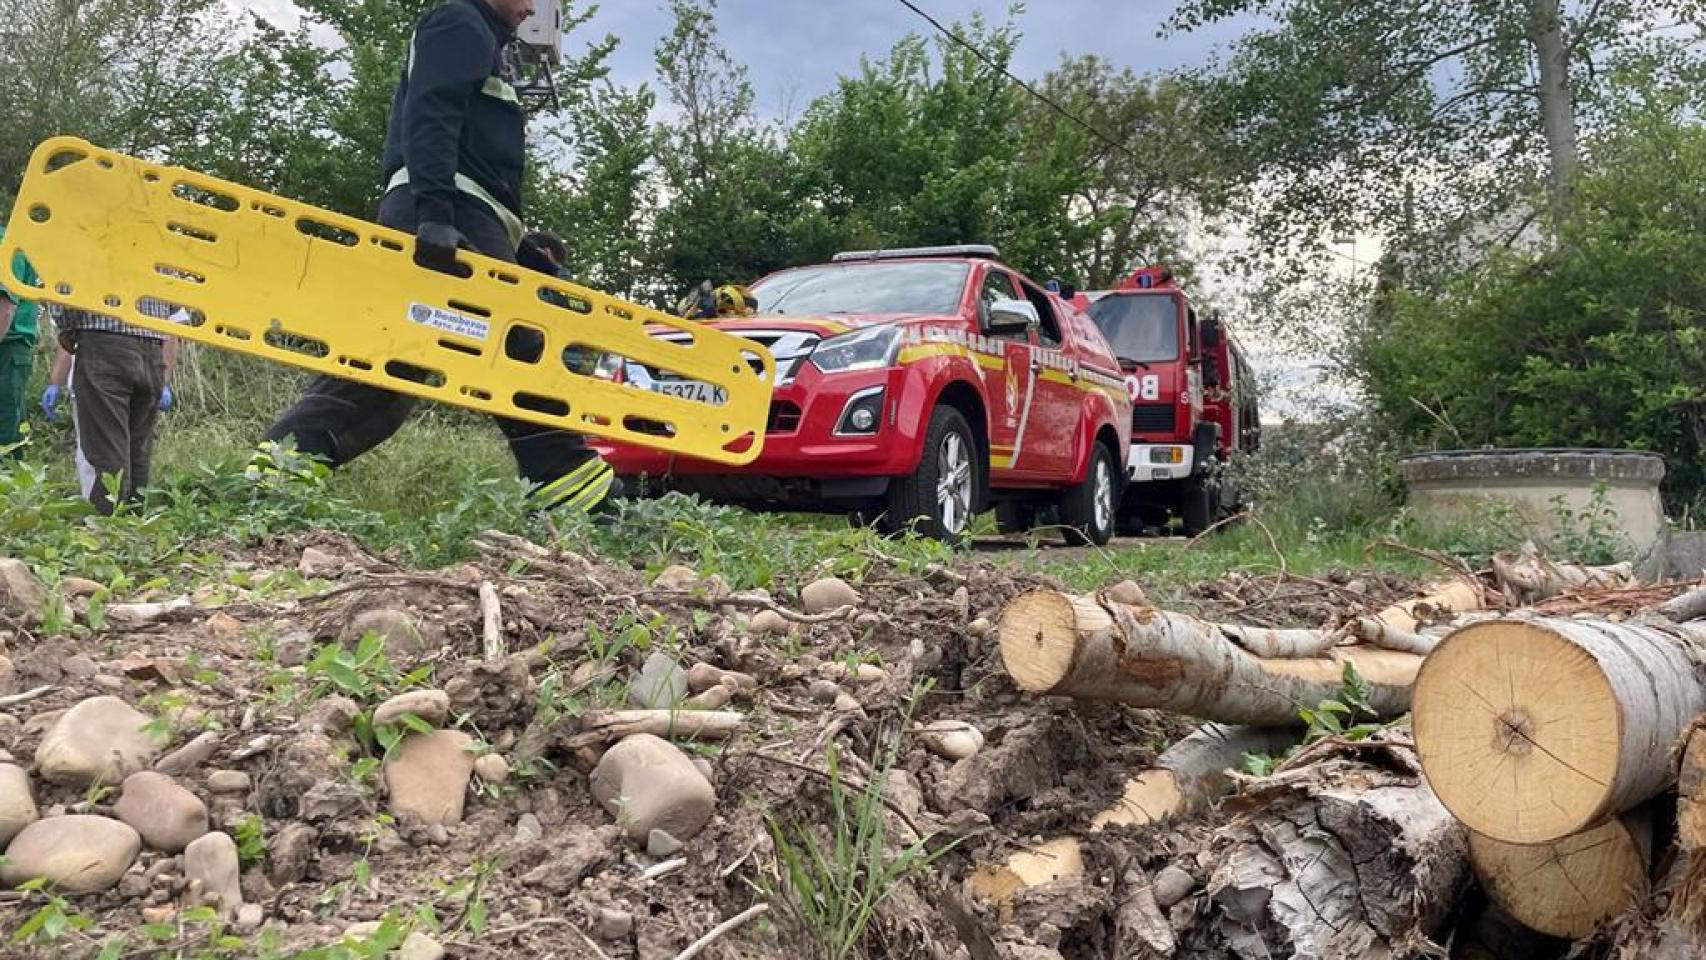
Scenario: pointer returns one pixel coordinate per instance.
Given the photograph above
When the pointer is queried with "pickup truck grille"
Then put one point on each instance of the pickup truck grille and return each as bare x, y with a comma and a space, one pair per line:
788, 347
1152, 418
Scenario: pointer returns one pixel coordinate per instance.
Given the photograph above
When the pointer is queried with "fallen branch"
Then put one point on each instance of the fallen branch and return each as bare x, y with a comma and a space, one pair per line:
609, 726
134, 615
1687, 606
1377, 633
491, 622
25, 697
721, 930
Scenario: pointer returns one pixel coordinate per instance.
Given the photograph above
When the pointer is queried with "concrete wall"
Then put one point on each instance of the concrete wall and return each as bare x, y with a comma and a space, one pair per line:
1459, 486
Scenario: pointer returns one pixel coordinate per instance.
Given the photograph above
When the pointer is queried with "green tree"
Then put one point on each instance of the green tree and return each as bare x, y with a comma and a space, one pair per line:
1414, 117
1600, 341
736, 205
1132, 182
130, 75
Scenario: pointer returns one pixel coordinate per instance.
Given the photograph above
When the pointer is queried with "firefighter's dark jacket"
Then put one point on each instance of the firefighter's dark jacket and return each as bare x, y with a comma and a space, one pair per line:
455, 113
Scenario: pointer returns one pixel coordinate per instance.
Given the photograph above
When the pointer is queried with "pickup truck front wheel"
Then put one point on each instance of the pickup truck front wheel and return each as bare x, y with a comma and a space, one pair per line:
941, 497
1087, 510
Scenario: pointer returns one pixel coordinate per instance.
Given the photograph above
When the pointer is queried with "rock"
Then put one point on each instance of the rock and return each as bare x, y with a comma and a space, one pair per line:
952, 739
715, 698
8, 675
78, 665
292, 648
661, 683
189, 756
22, 594
212, 862
166, 815
573, 856
228, 781
317, 563
648, 784
433, 706
290, 852
614, 924
528, 829
300, 764
419, 946
223, 625
17, 803
333, 716
101, 739
492, 768
766, 622
905, 792
859, 674
428, 776
824, 691
704, 676
1128, 593
846, 703
402, 635
77, 854
980, 627
79, 587
830, 593
1172, 885
676, 577
660, 844
250, 916
333, 799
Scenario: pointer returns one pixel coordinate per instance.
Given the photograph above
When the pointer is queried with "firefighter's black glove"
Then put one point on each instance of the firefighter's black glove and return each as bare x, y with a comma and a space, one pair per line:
436, 245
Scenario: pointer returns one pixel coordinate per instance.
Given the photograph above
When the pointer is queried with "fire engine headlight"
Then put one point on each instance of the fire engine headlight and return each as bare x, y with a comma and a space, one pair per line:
864, 411
1166, 454
868, 349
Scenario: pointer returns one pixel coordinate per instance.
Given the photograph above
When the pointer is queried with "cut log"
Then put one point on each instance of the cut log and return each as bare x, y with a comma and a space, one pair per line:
1688, 901
1335, 859
1567, 887
1190, 774
1458, 596
1535, 730
1686, 606
1064, 645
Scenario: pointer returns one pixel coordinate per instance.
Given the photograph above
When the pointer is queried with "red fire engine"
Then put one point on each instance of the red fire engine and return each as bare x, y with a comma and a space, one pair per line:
1193, 401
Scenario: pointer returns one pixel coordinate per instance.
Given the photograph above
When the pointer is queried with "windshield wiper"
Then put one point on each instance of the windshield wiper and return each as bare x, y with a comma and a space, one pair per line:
1128, 363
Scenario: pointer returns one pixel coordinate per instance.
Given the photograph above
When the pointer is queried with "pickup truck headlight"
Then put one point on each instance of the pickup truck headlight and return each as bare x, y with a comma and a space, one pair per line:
868, 349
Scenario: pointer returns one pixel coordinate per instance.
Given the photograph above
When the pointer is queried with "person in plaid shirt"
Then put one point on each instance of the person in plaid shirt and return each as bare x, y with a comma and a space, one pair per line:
118, 388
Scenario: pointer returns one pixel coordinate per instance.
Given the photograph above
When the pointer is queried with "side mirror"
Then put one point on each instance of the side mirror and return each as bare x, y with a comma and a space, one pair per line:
1012, 317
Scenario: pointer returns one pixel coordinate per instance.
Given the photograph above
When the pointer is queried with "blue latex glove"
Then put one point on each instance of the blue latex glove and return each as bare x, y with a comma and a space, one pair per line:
166, 397
50, 399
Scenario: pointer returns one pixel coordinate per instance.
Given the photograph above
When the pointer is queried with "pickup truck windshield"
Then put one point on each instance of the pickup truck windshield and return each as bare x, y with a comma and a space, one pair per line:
1142, 328
891, 287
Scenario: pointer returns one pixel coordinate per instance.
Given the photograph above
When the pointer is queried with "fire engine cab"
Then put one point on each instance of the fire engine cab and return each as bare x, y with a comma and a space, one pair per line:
1193, 398
917, 388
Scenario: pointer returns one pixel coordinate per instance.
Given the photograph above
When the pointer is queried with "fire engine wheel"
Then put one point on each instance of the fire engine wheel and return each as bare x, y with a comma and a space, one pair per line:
1087, 510
941, 497
1199, 507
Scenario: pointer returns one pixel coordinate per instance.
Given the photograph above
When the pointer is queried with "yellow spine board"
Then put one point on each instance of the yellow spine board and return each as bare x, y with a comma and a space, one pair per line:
261, 275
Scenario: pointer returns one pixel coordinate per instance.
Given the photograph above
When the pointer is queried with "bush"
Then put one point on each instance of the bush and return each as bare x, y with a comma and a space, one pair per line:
1596, 342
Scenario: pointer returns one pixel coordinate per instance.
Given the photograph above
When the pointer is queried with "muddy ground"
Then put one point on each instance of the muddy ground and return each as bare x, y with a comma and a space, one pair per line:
537, 867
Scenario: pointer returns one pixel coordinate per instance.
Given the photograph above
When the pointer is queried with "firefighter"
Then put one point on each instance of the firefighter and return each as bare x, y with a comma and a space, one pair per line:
708, 302
452, 169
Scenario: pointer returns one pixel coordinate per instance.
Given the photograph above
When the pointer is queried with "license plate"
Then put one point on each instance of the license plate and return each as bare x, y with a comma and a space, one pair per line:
693, 390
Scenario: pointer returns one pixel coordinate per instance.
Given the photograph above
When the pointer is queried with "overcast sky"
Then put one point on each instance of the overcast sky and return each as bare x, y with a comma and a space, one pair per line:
794, 49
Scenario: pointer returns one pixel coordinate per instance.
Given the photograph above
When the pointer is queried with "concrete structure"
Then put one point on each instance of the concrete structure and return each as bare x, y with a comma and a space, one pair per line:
1458, 485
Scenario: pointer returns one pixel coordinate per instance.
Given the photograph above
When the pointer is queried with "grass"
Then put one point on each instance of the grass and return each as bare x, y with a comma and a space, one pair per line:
447, 475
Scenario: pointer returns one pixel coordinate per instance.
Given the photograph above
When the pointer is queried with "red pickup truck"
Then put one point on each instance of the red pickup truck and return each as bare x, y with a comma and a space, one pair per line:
917, 388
